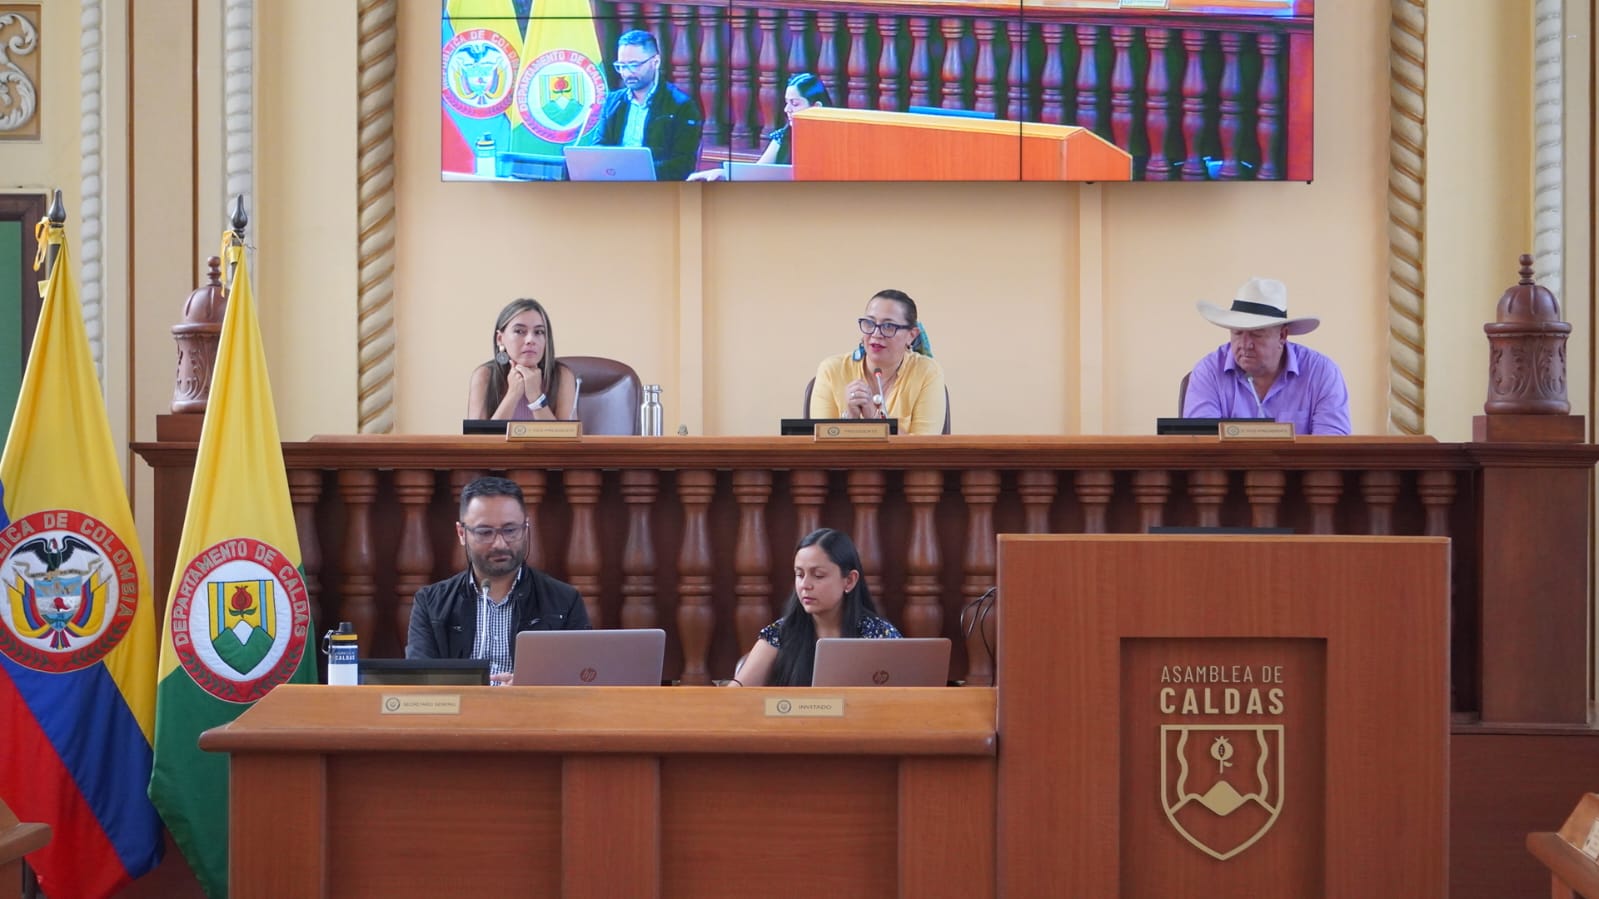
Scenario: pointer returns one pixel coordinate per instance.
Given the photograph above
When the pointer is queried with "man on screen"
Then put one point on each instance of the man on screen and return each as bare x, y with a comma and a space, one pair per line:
1259, 374
648, 113
478, 613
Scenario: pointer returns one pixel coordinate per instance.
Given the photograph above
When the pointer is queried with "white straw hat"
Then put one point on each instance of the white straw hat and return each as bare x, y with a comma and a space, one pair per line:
1260, 303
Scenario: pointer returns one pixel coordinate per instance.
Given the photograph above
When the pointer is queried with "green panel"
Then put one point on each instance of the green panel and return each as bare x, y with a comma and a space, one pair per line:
11, 359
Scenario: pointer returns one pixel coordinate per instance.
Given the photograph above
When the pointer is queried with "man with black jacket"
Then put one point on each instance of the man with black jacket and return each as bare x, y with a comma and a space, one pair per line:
478, 613
649, 113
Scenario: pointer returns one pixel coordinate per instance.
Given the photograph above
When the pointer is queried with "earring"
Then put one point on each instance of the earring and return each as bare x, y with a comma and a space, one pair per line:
501, 357
860, 351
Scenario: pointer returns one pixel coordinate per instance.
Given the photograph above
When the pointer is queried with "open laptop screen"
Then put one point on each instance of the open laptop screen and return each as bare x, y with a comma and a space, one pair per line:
862, 662
606, 658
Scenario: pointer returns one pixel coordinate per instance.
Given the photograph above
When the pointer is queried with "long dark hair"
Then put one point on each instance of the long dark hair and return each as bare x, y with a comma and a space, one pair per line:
811, 89
500, 372
796, 651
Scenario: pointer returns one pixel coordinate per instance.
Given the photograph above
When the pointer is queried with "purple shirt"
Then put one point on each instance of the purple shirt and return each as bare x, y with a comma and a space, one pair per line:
1309, 392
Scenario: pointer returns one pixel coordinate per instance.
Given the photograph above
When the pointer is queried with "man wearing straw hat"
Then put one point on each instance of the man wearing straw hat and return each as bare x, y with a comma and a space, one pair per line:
1257, 373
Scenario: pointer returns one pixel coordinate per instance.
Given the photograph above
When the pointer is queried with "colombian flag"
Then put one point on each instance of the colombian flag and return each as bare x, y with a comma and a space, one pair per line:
239, 615
77, 637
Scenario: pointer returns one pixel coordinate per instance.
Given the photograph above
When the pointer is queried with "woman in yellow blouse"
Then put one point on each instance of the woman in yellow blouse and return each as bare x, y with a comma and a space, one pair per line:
891, 374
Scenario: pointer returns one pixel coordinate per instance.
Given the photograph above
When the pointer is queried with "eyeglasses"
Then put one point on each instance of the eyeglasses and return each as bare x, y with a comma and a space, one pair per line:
629, 67
887, 329
487, 534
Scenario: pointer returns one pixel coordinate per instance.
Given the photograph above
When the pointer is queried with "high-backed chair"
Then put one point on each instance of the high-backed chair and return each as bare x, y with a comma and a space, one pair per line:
1182, 393
805, 411
17, 839
610, 397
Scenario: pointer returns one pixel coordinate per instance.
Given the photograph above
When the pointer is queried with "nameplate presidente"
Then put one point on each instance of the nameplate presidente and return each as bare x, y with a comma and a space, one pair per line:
421, 704
853, 430
543, 430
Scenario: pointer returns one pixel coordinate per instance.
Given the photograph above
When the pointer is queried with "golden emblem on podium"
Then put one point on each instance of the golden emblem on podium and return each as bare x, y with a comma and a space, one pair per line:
1221, 785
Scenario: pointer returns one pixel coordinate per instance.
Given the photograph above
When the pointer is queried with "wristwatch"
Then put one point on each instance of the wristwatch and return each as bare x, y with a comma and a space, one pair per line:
538, 403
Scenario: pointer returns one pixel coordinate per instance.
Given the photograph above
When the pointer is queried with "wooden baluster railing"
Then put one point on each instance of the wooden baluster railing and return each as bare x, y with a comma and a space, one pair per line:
808, 489
627, 16
1157, 112
920, 71
413, 558
1228, 106
583, 559
752, 489
640, 488
1207, 490
1268, 112
712, 99
696, 616
1094, 490
1052, 77
799, 31
1322, 491
1380, 490
768, 96
1437, 491
1194, 107
358, 488
1037, 490
1016, 72
980, 489
983, 74
924, 610
866, 489
1151, 491
858, 66
305, 491
681, 50
1264, 489
827, 67
952, 76
888, 64
458, 481
1087, 84
739, 80
1121, 86
532, 481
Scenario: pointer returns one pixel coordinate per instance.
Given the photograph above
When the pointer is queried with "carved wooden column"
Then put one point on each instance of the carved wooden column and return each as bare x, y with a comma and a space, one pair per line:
640, 487
1156, 103
1087, 75
1121, 85
1151, 490
681, 55
984, 74
358, 487
767, 95
952, 77
712, 98
1380, 489
532, 481
924, 614
799, 29
752, 489
583, 559
1230, 41
1193, 120
458, 481
413, 558
980, 489
305, 490
1037, 490
696, 617
1207, 489
827, 67
888, 64
866, 490
1322, 491
1264, 488
1268, 111
920, 71
808, 489
1016, 71
1052, 78
859, 65
739, 80
1437, 491
1094, 489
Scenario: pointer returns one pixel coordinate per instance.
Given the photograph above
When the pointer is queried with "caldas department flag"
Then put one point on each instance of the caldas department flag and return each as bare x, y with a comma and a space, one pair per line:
561, 90
239, 616
77, 634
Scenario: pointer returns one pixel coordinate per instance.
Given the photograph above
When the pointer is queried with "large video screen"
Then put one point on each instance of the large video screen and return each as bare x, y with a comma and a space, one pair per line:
877, 90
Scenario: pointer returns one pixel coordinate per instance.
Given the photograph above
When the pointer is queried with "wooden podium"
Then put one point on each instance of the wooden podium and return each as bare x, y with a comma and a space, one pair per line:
833, 144
611, 791
1223, 716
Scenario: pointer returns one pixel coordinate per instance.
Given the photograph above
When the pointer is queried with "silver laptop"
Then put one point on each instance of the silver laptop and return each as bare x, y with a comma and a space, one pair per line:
608, 658
862, 662
609, 164
755, 171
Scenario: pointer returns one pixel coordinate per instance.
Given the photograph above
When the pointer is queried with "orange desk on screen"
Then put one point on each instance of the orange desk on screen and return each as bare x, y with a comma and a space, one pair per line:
869, 145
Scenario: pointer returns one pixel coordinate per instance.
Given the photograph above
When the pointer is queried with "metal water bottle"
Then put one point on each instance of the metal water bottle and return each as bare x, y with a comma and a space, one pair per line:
649, 411
342, 650
484, 157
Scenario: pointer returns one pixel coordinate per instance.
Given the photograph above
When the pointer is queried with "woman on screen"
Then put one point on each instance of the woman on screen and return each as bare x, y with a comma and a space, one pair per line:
830, 599
523, 381
804, 91
890, 374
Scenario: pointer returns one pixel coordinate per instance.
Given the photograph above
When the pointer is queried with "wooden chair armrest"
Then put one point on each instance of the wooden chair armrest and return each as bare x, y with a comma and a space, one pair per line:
1562, 859
20, 839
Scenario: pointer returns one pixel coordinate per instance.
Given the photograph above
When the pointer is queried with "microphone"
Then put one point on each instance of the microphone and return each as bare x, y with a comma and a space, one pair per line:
882, 395
483, 590
577, 390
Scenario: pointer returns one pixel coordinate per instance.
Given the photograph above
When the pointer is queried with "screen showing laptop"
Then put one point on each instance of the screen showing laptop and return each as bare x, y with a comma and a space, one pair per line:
423, 672
609, 164
862, 662
806, 427
1204, 427
630, 657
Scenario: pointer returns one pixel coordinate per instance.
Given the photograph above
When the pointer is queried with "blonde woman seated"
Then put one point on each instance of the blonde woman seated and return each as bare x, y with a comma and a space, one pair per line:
830, 599
523, 381
894, 355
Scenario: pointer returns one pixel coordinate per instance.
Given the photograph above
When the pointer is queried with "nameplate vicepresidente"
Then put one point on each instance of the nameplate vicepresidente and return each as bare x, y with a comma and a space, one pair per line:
421, 704
517, 431
853, 430
1255, 430
808, 707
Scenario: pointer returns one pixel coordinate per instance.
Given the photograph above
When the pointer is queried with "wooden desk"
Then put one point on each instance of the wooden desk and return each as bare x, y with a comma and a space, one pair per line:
611, 792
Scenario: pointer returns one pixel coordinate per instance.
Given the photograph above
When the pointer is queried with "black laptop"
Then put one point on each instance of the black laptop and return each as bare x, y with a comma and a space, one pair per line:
806, 427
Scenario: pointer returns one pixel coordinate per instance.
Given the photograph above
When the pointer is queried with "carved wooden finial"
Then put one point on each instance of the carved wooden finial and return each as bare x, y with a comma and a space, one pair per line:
1527, 351
197, 336
1526, 269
